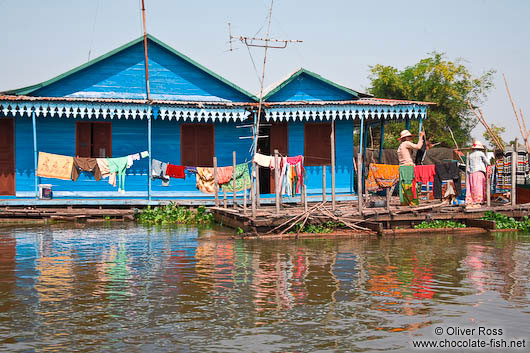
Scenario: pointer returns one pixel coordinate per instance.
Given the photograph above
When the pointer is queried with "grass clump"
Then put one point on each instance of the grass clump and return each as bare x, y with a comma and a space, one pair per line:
173, 214
439, 224
505, 222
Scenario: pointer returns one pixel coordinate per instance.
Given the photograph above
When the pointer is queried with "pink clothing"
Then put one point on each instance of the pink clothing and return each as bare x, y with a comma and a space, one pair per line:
476, 188
224, 174
298, 163
424, 173
294, 160
405, 151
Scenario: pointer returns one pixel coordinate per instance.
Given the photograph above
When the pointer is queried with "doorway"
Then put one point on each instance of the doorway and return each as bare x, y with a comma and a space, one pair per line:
278, 139
7, 156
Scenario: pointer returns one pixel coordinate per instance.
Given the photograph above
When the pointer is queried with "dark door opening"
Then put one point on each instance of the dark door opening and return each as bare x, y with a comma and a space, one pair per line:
278, 139
7, 156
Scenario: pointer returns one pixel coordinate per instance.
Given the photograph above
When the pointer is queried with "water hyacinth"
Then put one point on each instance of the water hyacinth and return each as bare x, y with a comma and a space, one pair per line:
174, 214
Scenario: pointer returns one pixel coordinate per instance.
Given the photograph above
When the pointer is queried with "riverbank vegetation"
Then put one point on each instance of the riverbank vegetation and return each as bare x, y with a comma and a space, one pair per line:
173, 214
505, 222
327, 227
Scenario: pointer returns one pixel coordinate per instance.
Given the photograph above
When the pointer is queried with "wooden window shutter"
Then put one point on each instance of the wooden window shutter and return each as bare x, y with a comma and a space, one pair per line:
197, 145
317, 144
83, 139
101, 140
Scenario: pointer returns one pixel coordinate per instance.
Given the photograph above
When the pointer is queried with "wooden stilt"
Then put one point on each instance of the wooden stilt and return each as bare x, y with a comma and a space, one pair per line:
245, 196
304, 190
513, 196
333, 165
253, 195
323, 183
359, 181
257, 190
216, 185
277, 181
234, 178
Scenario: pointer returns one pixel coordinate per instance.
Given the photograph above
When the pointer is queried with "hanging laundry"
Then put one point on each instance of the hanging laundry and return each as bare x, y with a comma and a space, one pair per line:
298, 163
408, 195
241, 174
224, 175
175, 171
381, 176
424, 173
103, 166
144, 154
263, 160
159, 171
132, 158
82, 164
205, 180
118, 166
446, 171
55, 166
190, 170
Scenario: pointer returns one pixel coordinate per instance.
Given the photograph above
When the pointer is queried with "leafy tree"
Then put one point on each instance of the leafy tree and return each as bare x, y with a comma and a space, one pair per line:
497, 130
449, 84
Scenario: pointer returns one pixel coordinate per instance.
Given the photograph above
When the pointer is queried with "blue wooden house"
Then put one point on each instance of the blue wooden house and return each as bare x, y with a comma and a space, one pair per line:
100, 109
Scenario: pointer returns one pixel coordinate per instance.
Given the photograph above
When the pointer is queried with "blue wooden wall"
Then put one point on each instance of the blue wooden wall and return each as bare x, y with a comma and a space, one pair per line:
307, 88
57, 135
122, 76
344, 172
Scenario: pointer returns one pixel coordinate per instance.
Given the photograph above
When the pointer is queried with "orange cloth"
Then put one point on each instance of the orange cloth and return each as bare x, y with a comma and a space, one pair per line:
55, 166
205, 180
381, 176
224, 175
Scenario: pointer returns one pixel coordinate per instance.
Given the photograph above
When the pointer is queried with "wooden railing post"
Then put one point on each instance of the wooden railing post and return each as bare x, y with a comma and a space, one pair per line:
277, 181
216, 185
234, 178
333, 165
323, 183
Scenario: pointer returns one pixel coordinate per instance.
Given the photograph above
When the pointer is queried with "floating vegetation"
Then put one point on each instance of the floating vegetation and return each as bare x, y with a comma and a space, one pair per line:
327, 227
173, 214
505, 222
439, 224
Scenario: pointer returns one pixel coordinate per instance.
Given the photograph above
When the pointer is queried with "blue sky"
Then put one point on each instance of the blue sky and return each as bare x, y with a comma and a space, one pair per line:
341, 39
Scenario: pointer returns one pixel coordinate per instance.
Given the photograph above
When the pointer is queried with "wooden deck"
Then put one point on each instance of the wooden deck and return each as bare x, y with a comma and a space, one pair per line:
370, 220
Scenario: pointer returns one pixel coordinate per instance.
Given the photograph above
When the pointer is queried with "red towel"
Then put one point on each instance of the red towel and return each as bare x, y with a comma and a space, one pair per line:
175, 171
424, 173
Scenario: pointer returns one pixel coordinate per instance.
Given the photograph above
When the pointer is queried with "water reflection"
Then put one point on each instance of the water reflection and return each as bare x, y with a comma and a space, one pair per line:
126, 287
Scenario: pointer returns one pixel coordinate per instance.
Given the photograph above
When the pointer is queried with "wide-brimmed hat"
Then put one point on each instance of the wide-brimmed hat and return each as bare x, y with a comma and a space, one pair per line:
477, 145
404, 133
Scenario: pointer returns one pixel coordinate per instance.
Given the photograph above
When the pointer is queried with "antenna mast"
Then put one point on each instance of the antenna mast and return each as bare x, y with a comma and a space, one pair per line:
256, 42
146, 58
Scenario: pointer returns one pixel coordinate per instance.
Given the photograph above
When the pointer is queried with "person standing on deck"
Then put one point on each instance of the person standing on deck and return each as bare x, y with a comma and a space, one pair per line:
408, 191
406, 147
477, 165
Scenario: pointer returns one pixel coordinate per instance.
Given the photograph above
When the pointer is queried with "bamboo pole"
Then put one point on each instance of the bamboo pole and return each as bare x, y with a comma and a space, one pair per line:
483, 122
524, 126
216, 185
332, 165
234, 178
277, 181
523, 134
495, 136
323, 183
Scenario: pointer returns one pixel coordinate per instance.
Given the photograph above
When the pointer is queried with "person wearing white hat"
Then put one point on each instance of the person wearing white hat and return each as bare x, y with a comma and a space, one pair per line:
407, 146
476, 169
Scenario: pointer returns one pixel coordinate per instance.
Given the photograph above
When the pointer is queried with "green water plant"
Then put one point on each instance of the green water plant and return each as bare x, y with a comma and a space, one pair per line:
174, 214
439, 224
327, 227
505, 222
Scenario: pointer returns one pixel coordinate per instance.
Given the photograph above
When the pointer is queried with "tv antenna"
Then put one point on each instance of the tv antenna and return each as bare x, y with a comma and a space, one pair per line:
265, 43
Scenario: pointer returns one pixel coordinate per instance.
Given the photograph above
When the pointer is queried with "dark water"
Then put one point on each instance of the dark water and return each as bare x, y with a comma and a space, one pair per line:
132, 289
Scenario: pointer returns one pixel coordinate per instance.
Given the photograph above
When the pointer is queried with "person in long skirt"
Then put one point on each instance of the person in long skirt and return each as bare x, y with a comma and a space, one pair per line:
477, 166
